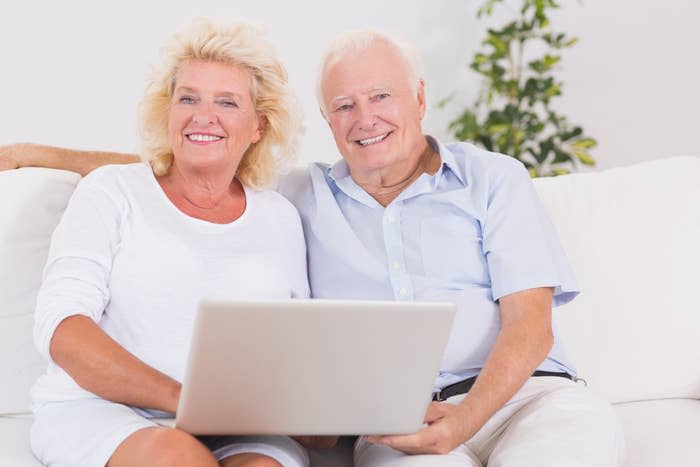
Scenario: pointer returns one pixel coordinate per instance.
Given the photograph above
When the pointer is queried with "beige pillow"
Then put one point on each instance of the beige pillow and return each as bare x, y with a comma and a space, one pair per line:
632, 235
32, 201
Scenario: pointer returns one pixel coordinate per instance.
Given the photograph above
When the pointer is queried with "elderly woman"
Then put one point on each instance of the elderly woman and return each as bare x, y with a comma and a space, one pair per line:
140, 244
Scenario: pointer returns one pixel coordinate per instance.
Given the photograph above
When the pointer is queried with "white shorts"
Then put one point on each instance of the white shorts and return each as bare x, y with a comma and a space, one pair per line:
86, 433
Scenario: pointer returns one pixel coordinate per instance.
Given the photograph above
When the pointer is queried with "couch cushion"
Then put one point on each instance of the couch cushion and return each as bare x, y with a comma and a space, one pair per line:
33, 201
663, 432
631, 235
14, 442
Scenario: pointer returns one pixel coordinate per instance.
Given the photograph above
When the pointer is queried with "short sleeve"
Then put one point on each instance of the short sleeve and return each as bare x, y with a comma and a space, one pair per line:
77, 271
521, 245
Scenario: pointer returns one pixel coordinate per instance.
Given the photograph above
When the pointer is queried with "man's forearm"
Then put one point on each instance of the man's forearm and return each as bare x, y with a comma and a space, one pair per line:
522, 344
82, 162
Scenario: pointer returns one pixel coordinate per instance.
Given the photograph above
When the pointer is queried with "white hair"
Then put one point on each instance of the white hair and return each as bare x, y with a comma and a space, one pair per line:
361, 39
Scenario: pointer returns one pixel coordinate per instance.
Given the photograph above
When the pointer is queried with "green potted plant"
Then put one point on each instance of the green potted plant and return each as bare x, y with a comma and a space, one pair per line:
513, 113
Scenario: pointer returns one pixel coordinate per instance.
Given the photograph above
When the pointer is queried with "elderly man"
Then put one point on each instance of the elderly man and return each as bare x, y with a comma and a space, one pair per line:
405, 217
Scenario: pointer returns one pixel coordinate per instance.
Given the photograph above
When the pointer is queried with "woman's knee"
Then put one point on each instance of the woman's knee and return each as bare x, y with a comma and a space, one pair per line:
158, 447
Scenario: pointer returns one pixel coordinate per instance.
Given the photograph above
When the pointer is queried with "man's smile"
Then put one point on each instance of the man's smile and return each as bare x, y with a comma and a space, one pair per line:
373, 140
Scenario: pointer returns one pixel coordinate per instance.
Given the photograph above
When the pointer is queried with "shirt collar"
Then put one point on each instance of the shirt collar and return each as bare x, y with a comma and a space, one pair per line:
448, 161
340, 169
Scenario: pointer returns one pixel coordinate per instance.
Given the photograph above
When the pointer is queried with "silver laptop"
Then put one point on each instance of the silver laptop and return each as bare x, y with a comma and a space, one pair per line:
312, 367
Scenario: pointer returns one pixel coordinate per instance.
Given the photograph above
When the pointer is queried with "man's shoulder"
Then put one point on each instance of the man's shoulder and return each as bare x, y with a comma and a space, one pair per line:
476, 159
480, 168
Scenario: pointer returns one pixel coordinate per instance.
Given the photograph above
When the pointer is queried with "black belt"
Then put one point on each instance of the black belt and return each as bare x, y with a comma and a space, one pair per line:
462, 387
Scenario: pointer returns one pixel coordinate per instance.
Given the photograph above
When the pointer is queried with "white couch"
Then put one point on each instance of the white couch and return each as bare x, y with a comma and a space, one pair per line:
632, 237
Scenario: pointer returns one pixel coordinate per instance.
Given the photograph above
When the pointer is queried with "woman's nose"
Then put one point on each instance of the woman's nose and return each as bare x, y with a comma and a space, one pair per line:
204, 115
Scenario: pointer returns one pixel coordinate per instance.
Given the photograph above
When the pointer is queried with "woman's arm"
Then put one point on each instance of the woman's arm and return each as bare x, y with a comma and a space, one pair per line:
15, 156
100, 365
74, 293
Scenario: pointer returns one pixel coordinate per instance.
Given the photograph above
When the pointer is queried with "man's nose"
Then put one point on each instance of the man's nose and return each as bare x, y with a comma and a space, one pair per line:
366, 117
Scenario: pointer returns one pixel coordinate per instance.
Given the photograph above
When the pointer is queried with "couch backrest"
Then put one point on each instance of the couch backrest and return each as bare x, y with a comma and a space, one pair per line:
632, 235
32, 202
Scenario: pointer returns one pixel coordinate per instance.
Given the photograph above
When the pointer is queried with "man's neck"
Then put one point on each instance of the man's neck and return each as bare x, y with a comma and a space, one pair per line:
385, 190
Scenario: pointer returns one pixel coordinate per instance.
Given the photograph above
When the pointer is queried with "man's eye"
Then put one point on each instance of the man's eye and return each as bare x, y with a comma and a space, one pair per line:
381, 96
344, 107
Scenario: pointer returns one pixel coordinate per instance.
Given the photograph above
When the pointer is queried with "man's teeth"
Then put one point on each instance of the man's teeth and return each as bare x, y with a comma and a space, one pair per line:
196, 137
376, 139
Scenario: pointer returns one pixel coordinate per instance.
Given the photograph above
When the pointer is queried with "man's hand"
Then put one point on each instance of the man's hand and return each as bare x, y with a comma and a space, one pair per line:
7, 160
316, 442
448, 427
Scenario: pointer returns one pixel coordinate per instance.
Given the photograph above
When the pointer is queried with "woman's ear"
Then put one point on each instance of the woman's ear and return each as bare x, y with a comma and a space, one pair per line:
262, 126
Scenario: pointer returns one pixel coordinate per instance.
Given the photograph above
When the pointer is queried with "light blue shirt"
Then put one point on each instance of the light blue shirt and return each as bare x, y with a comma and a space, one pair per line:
469, 234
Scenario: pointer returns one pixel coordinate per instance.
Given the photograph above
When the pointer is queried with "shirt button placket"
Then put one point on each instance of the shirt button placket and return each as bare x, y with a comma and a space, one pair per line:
393, 241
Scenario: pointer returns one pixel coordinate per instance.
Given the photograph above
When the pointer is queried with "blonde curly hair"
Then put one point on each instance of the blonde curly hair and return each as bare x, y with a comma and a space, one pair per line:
240, 44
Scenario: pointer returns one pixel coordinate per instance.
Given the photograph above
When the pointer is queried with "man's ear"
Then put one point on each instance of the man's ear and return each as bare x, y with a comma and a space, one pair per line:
320, 109
420, 96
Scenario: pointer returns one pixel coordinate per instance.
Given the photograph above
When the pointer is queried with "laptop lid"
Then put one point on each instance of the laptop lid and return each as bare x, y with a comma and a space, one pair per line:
312, 367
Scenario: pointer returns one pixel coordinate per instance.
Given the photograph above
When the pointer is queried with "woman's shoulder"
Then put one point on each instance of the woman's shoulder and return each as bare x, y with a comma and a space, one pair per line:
112, 174
270, 201
114, 184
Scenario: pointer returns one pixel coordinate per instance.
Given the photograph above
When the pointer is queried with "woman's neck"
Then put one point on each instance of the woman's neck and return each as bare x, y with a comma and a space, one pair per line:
215, 198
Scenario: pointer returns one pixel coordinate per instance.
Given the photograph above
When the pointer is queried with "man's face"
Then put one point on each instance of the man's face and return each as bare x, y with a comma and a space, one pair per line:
374, 111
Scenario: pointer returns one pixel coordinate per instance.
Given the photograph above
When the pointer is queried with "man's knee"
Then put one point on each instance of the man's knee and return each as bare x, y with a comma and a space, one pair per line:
250, 460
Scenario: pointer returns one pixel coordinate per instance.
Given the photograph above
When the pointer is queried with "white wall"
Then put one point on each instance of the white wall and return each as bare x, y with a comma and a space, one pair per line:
72, 71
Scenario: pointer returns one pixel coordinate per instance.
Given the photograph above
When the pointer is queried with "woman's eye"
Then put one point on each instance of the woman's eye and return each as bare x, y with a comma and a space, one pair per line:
186, 100
228, 103
381, 96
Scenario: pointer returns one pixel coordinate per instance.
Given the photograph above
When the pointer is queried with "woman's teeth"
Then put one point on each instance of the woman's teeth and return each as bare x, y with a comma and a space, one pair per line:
203, 138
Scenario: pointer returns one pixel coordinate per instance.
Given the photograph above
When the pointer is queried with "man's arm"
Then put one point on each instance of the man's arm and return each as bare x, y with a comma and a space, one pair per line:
523, 342
15, 156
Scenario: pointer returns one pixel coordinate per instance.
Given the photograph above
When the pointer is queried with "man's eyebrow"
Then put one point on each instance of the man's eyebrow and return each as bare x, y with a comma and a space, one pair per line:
340, 98
370, 90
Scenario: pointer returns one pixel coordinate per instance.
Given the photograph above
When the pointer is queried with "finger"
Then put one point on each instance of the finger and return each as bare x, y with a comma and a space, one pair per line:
436, 411
416, 442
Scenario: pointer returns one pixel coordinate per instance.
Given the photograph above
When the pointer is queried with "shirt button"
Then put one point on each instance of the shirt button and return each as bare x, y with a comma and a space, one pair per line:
403, 291
396, 265
391, 219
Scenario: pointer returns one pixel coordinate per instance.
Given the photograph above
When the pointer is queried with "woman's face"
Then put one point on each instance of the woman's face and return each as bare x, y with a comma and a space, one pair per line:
212, 118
